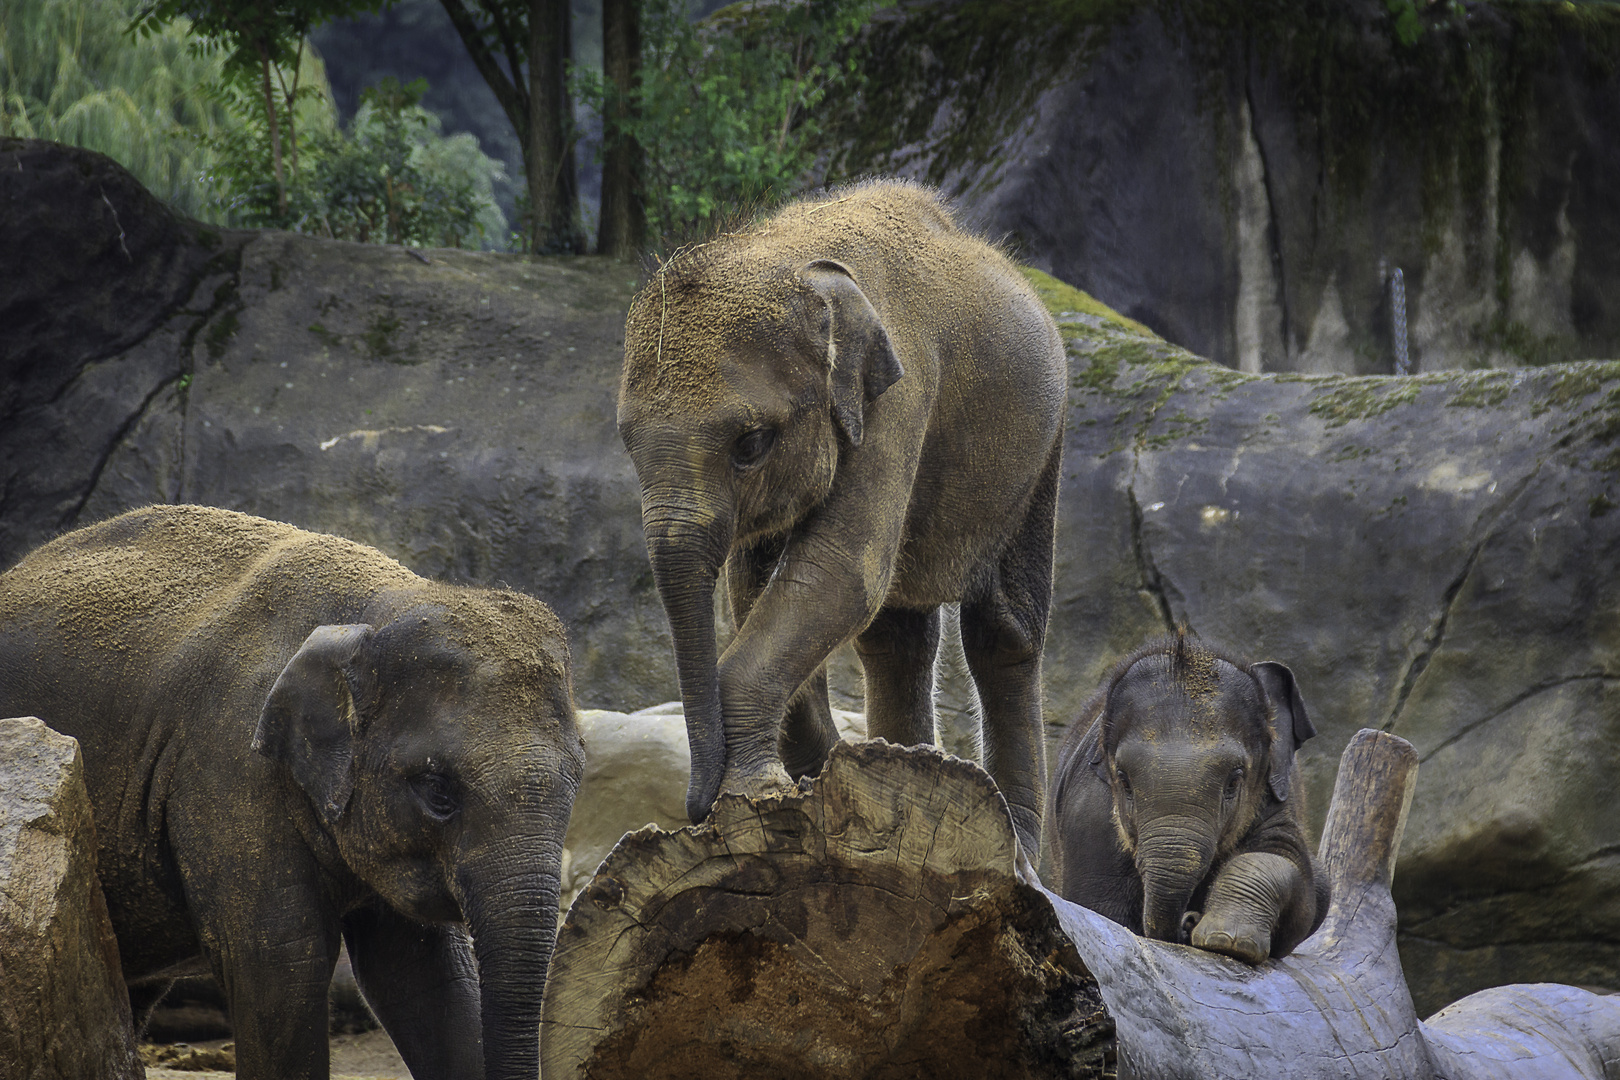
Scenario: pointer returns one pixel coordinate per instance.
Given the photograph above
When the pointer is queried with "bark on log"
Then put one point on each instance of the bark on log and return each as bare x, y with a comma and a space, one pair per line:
877, 927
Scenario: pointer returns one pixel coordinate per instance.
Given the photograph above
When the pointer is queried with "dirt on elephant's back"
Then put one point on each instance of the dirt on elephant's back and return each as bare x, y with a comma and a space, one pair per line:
369, 1056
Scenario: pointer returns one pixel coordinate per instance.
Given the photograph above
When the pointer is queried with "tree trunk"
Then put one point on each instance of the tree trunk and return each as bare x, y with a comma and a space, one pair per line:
623, 227
553, 188
876, 927
275, 131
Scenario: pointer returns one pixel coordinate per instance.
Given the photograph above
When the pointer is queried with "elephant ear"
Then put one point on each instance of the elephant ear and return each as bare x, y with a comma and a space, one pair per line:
859, 352
1293, 723
314, 712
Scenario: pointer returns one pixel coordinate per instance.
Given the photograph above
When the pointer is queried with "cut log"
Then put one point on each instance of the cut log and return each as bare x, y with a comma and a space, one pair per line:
877, 926
874, 927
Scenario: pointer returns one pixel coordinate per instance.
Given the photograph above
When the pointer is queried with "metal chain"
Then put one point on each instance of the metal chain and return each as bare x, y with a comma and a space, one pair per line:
1397, 288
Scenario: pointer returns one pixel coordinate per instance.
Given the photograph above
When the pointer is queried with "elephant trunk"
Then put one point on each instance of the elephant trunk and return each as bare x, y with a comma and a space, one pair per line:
686, 548
509, 899
1172, 860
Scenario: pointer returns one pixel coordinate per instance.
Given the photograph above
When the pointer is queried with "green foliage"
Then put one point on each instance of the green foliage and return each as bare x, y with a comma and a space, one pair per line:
727, 112
70, 73
1408, 27
391, 178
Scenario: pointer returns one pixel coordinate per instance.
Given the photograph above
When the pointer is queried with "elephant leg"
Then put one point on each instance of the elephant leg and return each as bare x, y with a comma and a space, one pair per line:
897, 655
276, 971
1003, 633
422, 984
1247, 899
809, 733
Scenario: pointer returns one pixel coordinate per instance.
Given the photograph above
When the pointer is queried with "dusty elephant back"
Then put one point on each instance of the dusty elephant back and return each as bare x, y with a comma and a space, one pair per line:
143, 581
927, 278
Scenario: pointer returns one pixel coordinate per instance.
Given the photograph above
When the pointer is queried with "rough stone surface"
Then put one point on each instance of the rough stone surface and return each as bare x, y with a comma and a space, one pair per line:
64, 1011
1245, 178
1436, 556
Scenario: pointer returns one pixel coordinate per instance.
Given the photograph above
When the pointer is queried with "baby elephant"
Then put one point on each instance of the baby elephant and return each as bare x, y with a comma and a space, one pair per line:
291, 740
1175, 806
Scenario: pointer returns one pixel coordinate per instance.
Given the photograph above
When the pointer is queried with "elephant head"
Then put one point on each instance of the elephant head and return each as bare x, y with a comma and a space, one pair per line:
439, 752
744, 382
1197, 751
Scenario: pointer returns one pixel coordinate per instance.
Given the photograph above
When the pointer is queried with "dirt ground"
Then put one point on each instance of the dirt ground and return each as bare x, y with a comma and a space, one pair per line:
370, 1056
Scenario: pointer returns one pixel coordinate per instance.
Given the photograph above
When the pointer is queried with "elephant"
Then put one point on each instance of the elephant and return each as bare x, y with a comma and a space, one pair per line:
1175, 805
290, 740
856, 408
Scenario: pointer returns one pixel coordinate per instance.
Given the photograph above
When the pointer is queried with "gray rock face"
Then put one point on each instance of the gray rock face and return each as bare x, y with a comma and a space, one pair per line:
1435, 556
64, 1011
1245, 179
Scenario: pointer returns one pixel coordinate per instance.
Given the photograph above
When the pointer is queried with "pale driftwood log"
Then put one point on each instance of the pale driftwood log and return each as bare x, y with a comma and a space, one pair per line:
876, 927
1338, 1007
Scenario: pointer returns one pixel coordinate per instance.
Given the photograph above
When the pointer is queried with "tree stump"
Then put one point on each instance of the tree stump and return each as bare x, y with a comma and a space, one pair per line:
877, 926
873, 927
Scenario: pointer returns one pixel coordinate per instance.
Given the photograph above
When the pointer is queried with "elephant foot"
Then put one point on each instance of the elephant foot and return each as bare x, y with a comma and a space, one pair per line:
769, 782
1245, 942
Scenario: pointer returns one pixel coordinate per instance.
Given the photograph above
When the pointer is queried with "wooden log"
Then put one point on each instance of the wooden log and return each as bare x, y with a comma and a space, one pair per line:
874, 927
877, 926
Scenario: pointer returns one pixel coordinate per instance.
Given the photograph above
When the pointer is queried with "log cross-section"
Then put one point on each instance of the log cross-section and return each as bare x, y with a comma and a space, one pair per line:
874, 927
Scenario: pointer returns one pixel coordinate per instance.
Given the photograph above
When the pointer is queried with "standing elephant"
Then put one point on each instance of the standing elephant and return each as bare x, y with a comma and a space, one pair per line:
1176, 793
857, 408
291, 739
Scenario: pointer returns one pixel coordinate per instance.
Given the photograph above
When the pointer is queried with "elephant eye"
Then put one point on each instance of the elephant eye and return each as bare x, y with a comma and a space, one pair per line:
1234, 782
1124, 782
752, 447
436, 793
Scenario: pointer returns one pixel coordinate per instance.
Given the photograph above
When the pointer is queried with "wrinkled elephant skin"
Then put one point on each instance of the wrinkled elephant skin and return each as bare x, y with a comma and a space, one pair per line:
1175, 804
857, 409
291, 740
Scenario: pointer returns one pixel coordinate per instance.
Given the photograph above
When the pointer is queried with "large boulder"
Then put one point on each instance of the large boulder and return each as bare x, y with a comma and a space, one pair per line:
64, 1011
1246, 178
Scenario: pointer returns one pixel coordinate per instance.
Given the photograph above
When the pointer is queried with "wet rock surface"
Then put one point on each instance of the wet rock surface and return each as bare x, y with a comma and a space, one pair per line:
64, 1011
1434, 556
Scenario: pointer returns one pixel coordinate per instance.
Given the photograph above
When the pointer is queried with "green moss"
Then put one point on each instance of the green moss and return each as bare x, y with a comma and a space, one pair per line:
1060, 297
329, 339
1599, 504
379, 338
220, 332
1482, 391
1362, 398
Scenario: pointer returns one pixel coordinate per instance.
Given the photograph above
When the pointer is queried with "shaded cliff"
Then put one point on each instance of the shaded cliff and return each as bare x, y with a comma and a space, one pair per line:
1246, 177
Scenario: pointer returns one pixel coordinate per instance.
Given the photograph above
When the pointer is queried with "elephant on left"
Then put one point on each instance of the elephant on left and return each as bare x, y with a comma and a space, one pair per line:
291, 740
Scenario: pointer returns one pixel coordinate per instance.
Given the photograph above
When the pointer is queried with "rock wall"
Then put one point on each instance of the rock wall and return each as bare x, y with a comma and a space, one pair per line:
64, 1011
1245, 178
1435, 556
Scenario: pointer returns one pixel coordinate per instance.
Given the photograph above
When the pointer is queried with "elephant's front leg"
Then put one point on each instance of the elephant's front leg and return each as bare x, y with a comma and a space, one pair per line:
1246, 901
897, 656
808, 732
422, 984
820, 595
276, 970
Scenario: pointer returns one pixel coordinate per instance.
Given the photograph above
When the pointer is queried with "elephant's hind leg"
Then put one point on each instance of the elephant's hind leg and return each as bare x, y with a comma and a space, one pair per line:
897, 654
1003, 633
